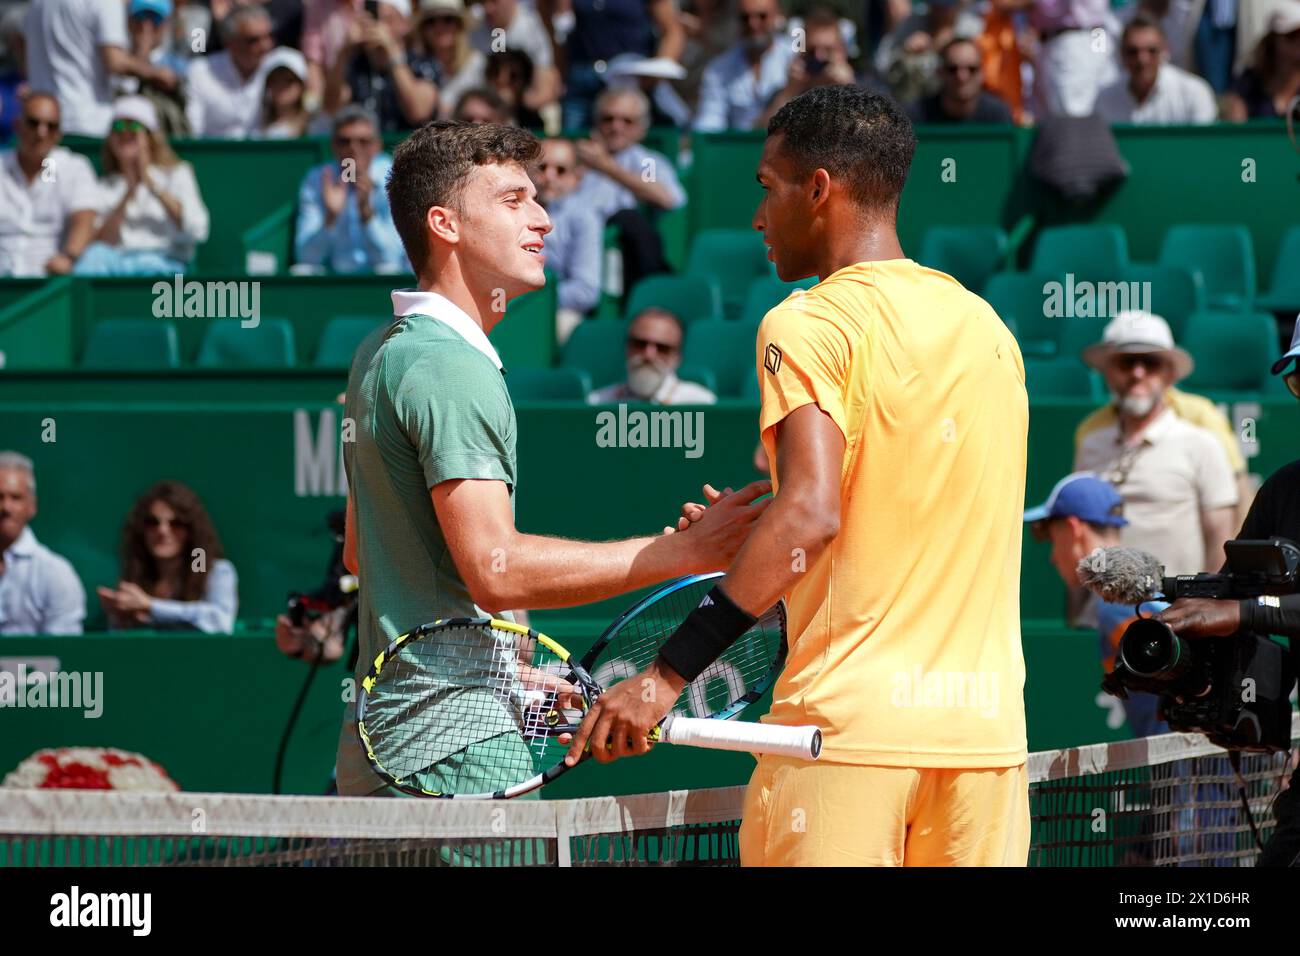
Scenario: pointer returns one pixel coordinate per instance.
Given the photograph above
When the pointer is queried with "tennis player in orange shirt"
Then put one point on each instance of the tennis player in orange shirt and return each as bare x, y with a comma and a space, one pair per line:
893, 407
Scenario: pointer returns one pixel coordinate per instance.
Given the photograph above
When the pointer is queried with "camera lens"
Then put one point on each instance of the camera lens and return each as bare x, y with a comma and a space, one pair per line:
1150, 648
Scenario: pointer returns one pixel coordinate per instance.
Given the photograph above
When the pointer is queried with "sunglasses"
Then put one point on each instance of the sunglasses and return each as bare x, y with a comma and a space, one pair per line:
353, 140
37, 124
954, 68
635, 344
256, 39
127, 126
556, 168
153, 521
614, 118
1126, 363
1135, 50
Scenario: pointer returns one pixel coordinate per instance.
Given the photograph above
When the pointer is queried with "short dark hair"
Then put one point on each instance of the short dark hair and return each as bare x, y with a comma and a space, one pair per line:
860, 137
503, 59
430, 168
489, 96
1143, 21
958, 41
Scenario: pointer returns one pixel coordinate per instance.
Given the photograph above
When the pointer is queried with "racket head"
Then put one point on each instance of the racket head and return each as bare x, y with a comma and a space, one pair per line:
470, 708
743, 674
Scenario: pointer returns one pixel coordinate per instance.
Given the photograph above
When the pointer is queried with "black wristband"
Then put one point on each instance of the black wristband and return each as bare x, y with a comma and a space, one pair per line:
707, 631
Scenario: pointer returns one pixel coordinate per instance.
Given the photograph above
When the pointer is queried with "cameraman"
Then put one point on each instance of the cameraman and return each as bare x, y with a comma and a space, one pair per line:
1275, 513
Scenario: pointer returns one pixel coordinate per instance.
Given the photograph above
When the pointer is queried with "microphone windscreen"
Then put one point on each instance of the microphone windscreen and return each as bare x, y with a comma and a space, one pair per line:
1121, 575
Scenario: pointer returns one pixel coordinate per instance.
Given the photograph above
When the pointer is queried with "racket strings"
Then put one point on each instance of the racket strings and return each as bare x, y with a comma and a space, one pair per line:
468, 709
747, 664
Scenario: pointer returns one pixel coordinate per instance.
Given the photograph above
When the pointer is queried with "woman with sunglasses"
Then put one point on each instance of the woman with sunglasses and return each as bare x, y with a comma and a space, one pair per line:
174, 574
151, 215
442, 32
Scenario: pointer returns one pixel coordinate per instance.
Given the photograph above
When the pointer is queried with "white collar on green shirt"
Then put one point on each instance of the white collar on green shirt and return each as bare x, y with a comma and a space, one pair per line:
435, 305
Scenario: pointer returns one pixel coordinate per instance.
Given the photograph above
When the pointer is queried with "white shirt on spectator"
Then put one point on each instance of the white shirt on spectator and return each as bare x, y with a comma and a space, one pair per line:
1179, 472
34, 216
731, 95
40, 592
222, 104
605, 197
147, 227
525, 32
673, 391
452, 88
1177, 97
63, 41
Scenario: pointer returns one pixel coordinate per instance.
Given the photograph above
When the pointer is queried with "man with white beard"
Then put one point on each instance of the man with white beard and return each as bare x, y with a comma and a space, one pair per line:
1179, 492
654, 353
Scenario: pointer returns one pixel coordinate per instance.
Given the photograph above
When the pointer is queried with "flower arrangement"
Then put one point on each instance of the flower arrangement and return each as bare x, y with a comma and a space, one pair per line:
89, 768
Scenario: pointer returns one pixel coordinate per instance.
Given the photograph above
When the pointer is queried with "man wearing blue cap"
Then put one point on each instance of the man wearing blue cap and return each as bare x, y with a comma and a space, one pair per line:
1275, 512
148, 22
1084, 513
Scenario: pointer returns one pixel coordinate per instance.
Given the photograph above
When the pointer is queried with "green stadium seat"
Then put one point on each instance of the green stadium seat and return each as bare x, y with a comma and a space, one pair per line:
1223, 254
970, 254
765, 293
1097, 252
599, 348
1018, 297
1176, 292
749, 391
1232, 351
1077, 333
725, 347
700, 375
731, 258
548, 384
132, 344
688, 297
1058, 378
228, 344
339, 340
1283, 294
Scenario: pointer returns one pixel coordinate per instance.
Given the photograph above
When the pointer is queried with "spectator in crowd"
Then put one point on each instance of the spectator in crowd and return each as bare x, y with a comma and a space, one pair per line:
224, 95
575, 243
286, 19
737, 85
1266, 87
654, 77
174, 572
1196, 410
47, 196
442, 28
908, 56
961, 97
1153, 91
376, 70
13, 69
147, 24
151, 213
1074, 58
1179, 493
39, 591
325, 25
654, 353
285, 76
824, 61
344, 223
73, 49
510, 74
509, 26
480, 105
621, 173
601, 30
1084, 513
710, 29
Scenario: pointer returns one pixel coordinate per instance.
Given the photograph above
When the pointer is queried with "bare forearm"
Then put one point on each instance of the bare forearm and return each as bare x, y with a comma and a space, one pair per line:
1217, 527
80, 232
786, 542
539, 572
416, 98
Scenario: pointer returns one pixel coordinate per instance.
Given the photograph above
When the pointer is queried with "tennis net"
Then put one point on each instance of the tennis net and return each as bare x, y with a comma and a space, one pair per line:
1173, 800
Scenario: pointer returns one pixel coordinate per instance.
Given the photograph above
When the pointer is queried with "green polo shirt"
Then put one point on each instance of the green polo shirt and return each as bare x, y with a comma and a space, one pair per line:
427, 406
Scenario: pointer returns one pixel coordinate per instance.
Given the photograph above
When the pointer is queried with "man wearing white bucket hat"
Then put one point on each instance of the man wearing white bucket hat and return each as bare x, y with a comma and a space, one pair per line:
1179, 492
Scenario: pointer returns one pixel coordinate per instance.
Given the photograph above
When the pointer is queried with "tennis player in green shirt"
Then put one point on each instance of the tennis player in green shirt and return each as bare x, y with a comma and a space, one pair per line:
431, 473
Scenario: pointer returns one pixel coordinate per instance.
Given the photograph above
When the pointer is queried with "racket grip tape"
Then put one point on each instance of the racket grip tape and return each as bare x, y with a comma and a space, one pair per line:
800, 742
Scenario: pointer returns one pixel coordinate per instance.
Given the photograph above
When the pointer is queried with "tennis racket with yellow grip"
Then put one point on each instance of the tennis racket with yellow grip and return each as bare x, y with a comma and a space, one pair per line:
481, 708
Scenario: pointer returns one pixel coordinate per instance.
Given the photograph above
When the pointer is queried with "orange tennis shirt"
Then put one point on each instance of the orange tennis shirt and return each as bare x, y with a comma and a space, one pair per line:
905, 633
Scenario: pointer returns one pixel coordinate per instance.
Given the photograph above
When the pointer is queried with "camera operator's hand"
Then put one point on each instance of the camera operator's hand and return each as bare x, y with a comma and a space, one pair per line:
320, 636
1202, 617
